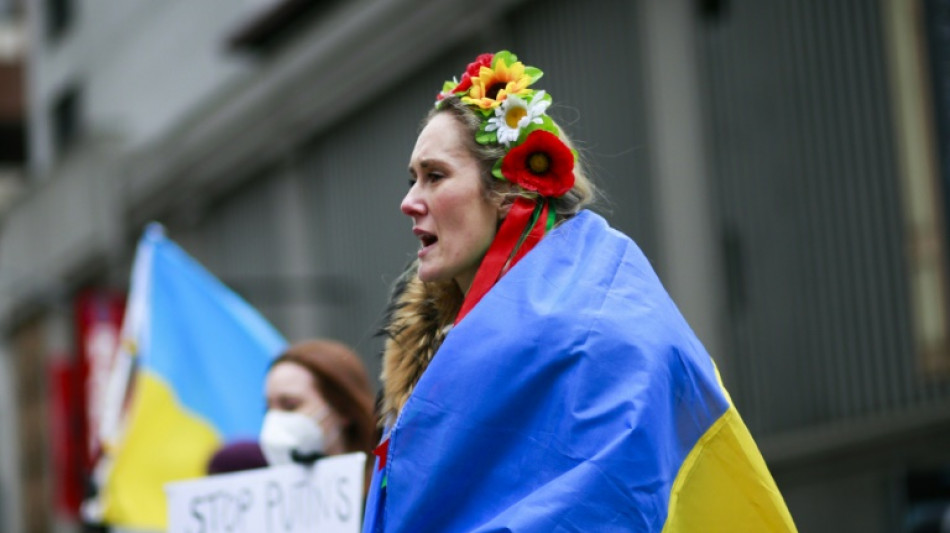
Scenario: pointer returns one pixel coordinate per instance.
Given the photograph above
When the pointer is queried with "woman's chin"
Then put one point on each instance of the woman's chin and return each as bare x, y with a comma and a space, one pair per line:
435, 276
429, 275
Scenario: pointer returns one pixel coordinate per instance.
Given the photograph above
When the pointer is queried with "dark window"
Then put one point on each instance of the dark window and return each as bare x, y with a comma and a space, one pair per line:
937, 20
12, 143
712, 10
273, 25
66, 119
59, 17
12, 114
927, 502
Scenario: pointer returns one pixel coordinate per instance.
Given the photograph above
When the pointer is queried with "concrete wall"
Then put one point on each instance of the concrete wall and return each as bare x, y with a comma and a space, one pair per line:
142, 67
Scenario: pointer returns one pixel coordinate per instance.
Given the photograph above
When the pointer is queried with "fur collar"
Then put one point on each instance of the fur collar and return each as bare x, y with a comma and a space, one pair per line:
417, 320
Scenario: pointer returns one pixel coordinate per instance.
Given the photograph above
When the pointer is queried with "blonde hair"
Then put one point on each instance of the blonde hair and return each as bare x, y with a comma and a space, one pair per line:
581, 194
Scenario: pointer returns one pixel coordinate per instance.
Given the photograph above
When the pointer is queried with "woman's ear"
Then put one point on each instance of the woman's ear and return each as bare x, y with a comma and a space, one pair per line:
505, 207
505, 196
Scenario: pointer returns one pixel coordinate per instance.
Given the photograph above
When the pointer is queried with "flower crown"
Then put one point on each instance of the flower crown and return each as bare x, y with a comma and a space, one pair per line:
497, 87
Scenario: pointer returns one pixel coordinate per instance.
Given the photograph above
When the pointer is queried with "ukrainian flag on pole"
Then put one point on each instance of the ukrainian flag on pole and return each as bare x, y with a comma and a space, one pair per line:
197, 354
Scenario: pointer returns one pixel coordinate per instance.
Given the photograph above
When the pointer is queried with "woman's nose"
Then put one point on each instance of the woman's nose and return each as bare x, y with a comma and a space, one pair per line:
412, 204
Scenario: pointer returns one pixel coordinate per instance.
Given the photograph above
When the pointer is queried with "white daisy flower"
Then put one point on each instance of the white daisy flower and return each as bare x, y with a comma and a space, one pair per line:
514, 114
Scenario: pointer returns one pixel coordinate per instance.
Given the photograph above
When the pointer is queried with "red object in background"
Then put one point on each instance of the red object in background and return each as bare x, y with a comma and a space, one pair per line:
64, 388
98, 326
76, 385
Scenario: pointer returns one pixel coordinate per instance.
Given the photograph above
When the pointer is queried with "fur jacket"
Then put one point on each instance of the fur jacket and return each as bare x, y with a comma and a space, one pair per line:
417, 320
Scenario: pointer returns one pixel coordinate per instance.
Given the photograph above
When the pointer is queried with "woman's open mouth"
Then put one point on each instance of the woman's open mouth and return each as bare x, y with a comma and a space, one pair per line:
427, 239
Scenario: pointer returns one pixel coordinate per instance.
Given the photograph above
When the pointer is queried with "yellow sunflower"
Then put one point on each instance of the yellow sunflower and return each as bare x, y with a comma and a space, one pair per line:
494, 84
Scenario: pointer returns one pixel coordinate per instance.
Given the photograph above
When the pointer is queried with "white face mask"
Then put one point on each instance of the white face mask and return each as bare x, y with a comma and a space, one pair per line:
283, 433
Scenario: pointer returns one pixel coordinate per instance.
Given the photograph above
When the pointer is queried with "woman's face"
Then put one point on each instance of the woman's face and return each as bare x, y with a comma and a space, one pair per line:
291, 387
451, 215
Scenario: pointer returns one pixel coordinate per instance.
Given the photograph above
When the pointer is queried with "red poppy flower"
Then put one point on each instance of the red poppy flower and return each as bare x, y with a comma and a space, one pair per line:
483, 60
542, 163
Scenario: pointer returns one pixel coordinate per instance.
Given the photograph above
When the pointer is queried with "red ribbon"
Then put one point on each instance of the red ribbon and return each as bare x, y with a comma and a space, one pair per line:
502, 255
382, 451
534, 237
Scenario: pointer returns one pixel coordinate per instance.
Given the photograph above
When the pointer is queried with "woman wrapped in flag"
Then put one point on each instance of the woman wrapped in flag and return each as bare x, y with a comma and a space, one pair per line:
536, 375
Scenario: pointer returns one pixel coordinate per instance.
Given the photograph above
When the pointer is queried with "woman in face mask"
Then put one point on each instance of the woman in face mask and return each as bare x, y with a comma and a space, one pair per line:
319, 403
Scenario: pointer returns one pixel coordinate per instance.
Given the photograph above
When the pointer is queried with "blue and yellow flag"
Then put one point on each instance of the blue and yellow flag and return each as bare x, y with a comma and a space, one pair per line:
573, 397
200, 354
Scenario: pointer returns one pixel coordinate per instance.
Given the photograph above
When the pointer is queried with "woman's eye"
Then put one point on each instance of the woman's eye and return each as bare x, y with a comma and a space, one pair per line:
411, 182
287, 404
435, 176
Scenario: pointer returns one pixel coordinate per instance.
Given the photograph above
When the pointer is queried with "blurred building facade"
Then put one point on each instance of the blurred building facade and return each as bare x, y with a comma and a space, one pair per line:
782, 163
13, 126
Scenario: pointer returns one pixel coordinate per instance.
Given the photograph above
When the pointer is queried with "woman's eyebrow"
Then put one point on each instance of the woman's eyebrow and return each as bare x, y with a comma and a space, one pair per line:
424, 164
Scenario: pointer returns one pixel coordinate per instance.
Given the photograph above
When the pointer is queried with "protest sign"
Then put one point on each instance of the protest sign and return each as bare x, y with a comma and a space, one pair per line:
326, 497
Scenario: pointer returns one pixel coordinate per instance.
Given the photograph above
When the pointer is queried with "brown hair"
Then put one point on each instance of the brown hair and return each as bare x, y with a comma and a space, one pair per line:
341, 379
